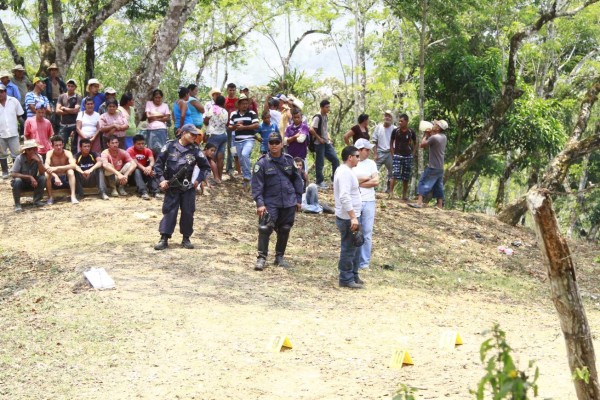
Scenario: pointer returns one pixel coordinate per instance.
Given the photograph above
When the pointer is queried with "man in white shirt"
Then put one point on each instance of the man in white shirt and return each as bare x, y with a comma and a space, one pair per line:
368, 179
10, 110
348, 205
381, 138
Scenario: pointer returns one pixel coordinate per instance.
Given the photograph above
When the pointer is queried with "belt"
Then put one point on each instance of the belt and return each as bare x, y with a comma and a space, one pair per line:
68, 125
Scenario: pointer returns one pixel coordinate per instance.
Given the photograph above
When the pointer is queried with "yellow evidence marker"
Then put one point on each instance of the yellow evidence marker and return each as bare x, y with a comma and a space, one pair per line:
400, 358
279, 343
449, 340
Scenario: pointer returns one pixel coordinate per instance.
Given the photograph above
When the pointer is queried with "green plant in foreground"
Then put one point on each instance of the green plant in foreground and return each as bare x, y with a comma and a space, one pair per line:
503, 380
404, 393
582, 374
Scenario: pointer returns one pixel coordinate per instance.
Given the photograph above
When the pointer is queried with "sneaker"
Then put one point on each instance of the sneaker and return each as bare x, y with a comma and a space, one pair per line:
74, 200
323, 186
159, 196
145, 196
351, 285
114, 193
415, 205
260, 264
50, 201
39, 203
5, 175
103, 196
122, 191
18, 208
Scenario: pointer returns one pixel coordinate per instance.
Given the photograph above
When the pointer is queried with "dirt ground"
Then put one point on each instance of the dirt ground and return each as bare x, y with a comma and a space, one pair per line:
195, 324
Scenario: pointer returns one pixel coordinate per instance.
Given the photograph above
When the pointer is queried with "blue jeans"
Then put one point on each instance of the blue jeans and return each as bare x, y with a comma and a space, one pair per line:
244, 150
432, 179
366, 220
349, 254
220, 142
323, 151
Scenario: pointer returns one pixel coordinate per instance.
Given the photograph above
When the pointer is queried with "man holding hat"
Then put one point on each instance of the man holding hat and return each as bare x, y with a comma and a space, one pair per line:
277, 189
67, 107
12, 90
28, 173
35, 97
368, 178
21, 81
174, 167
433, 176
10, 110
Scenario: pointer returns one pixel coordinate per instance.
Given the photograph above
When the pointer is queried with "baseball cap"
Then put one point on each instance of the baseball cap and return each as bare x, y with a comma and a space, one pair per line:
441, 123
110, 90
190, 128
72, 81
39, 106
275, 136
363, 144
36, 80
2, 87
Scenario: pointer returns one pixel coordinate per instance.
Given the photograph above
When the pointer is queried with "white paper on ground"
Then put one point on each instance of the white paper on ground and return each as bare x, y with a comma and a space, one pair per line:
99, 278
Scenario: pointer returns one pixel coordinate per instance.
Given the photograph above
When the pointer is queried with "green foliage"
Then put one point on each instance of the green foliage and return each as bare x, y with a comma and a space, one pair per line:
404, 392
502, 379
582, 374
139, 10
295, 82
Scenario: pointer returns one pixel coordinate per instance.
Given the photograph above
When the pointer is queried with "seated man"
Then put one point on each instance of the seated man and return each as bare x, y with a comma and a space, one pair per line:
143, 158
88, 170
118, 166
28, 174
60, 166
310, 197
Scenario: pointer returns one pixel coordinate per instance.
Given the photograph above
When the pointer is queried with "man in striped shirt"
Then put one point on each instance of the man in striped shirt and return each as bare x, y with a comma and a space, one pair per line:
244, 122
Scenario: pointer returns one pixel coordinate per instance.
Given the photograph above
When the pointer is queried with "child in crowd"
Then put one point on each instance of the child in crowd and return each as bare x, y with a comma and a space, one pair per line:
265, 129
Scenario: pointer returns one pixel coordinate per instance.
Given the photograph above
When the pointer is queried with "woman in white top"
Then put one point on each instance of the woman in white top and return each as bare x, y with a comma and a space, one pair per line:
87, 125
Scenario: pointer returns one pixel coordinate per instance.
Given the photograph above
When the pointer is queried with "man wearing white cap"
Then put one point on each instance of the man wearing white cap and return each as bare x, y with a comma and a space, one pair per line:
381, 138
21, 81
368, 179
10, 110
433, 176
93, 91
12, 90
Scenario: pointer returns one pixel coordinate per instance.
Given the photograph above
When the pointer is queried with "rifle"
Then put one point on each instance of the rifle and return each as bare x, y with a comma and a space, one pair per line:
175, 182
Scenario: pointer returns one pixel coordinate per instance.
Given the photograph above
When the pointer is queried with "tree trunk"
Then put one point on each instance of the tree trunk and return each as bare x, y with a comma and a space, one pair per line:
508, 171
594, 232
59, 36
558, 168
147, 75
470, 185
14, 53
419, 162
565, 293
510, 92
360, 24
90, 59
47, 51
580, 199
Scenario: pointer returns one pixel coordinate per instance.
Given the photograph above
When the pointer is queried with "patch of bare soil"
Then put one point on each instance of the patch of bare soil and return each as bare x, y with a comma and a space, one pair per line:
195, 324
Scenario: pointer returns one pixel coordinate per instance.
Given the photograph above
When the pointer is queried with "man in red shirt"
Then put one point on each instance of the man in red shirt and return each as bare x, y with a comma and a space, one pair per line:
38, 128
143, 175
118, 166
231, 107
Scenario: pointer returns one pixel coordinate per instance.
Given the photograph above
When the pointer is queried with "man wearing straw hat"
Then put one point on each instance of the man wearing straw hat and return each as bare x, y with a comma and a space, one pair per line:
28, 174
54, 88
12, 90
93, 91
21, 81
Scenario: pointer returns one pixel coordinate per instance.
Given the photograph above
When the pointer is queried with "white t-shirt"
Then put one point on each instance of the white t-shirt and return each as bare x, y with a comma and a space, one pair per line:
364, 169
89, 123
275, 117
382, 136
8, 117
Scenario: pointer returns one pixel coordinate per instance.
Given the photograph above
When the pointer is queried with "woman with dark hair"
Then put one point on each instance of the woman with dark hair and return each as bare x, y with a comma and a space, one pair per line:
126, 108
359, 131
113, 123
181, 112
216, 119
195, 108
158, 114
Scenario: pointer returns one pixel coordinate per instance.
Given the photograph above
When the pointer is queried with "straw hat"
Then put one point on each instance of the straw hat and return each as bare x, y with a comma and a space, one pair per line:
29, 144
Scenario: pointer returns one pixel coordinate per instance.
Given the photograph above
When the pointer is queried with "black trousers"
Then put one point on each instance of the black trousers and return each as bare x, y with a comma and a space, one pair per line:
173, 201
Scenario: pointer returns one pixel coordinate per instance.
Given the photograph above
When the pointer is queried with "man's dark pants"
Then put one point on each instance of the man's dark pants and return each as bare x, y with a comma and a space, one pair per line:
174, 200
141, 180
282, 220
349, 254
18, 185
95, 179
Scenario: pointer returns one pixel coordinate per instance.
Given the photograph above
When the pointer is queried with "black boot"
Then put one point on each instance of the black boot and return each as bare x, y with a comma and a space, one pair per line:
263, 250
282, 239
163, 243
186, 244
4, 165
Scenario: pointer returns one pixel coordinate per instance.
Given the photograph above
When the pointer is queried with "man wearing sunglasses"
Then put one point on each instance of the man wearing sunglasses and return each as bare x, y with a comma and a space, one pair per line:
277, 190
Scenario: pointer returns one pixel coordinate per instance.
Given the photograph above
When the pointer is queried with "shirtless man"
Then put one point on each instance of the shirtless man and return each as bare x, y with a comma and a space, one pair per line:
60, 169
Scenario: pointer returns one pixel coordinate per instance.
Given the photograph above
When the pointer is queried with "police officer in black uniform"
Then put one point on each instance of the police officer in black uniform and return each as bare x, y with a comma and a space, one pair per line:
277, 190
174, 167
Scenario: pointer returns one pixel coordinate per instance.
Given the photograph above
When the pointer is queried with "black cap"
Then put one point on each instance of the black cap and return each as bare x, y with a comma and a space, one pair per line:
274, 136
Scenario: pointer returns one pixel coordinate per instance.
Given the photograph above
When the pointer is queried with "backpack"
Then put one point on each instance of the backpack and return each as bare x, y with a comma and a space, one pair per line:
311, 139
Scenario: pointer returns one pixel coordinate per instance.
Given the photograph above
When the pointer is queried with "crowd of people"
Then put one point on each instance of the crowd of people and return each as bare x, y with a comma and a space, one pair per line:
110, 150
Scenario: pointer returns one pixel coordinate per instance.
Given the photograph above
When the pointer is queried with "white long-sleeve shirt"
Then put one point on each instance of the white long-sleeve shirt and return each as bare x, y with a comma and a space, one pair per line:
346, 192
